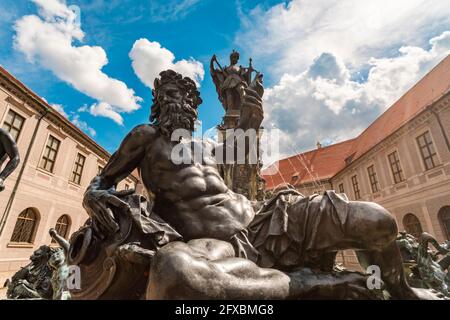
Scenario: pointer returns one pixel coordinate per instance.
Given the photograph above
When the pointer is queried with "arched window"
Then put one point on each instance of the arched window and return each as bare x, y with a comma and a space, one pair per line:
62, 226
412, 225
26, 226
444, 218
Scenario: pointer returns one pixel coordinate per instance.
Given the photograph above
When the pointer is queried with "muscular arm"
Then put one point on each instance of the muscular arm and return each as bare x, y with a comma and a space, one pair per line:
101, 193
127, 157
10, 148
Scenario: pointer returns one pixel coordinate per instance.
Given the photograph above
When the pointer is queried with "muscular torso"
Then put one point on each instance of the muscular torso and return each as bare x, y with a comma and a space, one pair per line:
193, 198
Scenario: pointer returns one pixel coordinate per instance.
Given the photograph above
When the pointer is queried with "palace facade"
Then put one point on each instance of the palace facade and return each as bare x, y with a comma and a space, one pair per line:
401, 161
57, 163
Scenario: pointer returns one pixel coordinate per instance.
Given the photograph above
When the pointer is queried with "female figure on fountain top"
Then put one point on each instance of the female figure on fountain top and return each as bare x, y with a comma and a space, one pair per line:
230, 81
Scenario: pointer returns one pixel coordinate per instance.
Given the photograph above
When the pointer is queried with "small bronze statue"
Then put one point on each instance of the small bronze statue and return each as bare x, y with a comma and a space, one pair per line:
8, 148
431, 272
408, 246
423, 267
199, 239
231, 80
45, 277
60, 268
34, 280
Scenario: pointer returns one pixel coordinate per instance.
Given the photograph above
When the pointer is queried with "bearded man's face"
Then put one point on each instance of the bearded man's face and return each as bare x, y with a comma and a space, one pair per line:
176, 111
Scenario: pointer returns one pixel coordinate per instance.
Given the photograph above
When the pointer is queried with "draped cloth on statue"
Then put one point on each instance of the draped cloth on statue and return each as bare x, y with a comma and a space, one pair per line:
114, 265
290, 228
232, 81
147, 222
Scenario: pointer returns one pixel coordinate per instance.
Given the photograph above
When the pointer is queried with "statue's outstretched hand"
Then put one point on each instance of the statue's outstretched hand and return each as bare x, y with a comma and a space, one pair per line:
99, 204
252, 113
52, 232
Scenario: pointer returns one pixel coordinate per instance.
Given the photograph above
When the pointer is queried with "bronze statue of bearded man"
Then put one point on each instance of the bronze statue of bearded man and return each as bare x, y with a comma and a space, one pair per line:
209, 242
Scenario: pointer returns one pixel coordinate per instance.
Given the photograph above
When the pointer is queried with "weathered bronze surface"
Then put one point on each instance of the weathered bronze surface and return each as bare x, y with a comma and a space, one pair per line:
424, 267
60, 269
34, 280
45, 277
8, 149
199, 239
230, 81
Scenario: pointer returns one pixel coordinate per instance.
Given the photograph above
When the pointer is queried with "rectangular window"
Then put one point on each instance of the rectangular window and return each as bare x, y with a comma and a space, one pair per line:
99, 170
373, 179
396, 168
127, 187
78, 169
356, 188
341, 188
13, 124
427, 150
50, 153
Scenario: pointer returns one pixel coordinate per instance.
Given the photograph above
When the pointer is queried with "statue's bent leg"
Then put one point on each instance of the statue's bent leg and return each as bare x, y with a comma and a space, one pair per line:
197, 271
371, 230
330, 223
207, 269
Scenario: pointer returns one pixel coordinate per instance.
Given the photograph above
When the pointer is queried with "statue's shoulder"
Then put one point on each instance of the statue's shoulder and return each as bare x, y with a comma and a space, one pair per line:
144, 131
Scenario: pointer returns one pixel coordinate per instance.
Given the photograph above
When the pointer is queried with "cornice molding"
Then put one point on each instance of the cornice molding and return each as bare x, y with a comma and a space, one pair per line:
21, 106
57, 131
83, 149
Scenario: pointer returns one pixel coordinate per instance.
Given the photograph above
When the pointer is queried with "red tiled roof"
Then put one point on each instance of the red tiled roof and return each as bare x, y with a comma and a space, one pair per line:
314, 165
325, 163
427, 91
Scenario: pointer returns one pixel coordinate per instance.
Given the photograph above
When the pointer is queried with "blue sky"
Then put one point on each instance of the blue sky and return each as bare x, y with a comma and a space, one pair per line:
331, 67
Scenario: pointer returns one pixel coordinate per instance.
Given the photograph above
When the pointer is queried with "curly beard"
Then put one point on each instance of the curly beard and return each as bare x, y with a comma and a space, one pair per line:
174, 115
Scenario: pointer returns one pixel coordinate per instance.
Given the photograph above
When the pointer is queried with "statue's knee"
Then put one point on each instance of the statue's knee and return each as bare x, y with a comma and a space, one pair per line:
175, 271
387, 226
169, 263
372, 223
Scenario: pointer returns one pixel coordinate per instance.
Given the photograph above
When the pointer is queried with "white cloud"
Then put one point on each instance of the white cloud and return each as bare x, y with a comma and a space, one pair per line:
323, 103
149, 59
60, 109
320, 56
291, 35
48, 39
103, 109
51, 8
171, 10
75, 119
